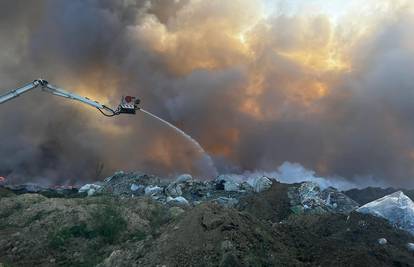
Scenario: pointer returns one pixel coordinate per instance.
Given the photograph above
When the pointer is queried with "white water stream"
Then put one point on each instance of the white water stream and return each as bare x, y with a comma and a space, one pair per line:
200, 149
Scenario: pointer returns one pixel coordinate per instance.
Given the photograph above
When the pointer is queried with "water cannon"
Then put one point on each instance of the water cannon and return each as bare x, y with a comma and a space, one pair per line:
129, 104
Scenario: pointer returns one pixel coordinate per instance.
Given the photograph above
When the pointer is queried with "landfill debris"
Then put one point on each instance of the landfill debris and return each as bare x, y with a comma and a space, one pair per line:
261, 184
227, 183
307, 197
90, 189
396, 208
382, 241
410, 247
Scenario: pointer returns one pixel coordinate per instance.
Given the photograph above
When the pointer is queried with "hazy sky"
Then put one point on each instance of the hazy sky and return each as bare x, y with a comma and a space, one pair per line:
327, 84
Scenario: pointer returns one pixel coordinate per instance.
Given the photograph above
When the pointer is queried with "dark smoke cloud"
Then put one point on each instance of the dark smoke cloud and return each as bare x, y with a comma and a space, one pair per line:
255, 90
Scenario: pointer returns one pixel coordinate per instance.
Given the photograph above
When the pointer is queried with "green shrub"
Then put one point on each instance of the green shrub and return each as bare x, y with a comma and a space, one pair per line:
108, 223
159, 216
139, 235
59, 238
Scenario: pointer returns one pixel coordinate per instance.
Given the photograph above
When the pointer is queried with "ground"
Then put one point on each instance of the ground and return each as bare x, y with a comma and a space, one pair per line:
107, 230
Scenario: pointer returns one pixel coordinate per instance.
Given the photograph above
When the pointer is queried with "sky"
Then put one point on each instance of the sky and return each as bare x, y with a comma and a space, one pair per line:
258, 83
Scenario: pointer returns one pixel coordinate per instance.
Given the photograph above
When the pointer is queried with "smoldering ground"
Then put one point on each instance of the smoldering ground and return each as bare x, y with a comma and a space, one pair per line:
255, 87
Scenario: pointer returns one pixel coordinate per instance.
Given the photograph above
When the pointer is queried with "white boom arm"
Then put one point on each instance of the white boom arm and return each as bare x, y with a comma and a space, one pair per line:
60, 92
128, 104
16, 92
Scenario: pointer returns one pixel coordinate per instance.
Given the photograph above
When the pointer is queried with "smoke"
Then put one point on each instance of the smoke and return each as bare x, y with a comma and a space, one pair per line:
256, 82
291, 173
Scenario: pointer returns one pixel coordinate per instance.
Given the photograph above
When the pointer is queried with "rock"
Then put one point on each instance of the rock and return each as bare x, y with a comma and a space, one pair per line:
261, 184
153, 190
227, 202
184, 178
382, 241
227, 183
179, 201
121, 183
397, 208
90, 189
410, 247
246, 187
174, 189
337, 201
136, 187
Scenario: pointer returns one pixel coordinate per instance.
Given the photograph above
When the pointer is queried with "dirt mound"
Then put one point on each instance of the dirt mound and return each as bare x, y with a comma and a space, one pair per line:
262, 230
270, 205
211, 235
340, 240
40, 231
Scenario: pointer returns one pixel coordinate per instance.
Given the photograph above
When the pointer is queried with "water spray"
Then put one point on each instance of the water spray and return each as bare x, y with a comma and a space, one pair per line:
128, 105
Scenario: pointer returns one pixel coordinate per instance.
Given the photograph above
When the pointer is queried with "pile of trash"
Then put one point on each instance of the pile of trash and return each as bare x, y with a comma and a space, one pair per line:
308, 198
183, 191
396, 208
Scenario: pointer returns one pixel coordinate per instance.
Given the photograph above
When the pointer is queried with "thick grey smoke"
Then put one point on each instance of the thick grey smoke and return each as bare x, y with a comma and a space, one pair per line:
254, 90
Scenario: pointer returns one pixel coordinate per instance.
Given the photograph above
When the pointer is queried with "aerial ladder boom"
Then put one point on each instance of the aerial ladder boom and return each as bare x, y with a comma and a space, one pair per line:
16, 92
128, 104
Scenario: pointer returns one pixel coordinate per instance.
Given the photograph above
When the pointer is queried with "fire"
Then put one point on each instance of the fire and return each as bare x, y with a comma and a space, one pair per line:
2, 179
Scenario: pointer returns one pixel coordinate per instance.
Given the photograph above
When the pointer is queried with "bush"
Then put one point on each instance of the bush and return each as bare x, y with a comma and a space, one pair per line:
108, 223
59, 238
159, 216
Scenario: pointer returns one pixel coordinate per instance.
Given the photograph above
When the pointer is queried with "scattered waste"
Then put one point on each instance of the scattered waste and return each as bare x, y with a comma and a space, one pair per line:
397, 208
382, 241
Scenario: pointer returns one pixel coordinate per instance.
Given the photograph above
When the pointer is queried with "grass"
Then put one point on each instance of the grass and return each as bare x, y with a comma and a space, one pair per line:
139, 235
159, 217
59, 238
107, 224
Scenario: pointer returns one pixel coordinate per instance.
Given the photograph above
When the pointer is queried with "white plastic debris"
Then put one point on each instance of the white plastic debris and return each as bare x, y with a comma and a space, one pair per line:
261, 184
153, 190
230, 185
397, 208
410, 247
90, 189
180, 201
136, 187
382, 241
308, 197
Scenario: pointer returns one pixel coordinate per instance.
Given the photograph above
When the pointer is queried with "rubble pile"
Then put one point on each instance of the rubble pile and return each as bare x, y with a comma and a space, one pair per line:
136, 219
396, 208
183, 191
308, 197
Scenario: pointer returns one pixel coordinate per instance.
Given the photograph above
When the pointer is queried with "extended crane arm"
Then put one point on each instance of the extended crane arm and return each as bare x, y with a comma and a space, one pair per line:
16, 92
60, 92
128, 104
